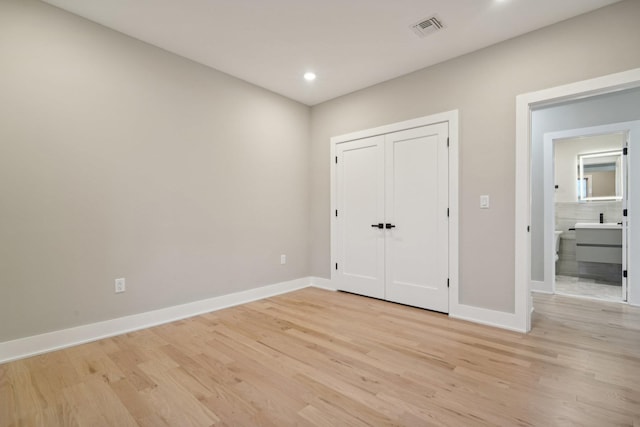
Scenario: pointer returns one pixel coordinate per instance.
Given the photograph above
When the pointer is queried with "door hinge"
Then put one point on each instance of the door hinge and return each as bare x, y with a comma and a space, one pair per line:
336, 265
336, 212
336, 159
624, 273
447, 283
528, 228
447, 141
447, 212
625, 151
625, 212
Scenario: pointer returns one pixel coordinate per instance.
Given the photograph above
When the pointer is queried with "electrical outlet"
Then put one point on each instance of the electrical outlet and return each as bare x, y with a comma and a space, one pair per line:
283, 259
120, 285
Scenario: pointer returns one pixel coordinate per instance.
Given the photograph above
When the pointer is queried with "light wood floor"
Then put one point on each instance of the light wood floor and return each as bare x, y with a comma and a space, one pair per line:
315, 357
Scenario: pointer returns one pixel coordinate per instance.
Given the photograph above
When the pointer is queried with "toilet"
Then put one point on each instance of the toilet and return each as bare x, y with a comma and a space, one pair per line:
557, 237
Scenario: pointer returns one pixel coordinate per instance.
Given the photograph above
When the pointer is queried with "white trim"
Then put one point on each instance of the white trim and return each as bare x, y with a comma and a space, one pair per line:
540, 287
523, 214
322, 283
484, 316
433, 119
454, 213
450, 117
38, 344
549, 221
524, 103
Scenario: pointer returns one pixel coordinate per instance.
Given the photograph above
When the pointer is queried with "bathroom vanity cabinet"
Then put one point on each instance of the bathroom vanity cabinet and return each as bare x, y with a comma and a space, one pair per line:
599, 243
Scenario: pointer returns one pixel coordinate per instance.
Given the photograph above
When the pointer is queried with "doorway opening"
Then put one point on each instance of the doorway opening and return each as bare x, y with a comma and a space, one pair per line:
529, 223
586, 186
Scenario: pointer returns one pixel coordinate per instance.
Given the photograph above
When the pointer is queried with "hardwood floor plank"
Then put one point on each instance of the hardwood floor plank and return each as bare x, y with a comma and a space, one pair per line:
322, 415
172, 400
137, 406
94, 403
128, 361
362, 405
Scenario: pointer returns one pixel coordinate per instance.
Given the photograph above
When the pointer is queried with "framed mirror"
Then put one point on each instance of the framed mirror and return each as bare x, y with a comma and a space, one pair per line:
600, 176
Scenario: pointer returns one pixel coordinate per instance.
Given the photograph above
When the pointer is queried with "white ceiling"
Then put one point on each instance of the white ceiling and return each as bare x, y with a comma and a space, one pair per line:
350, 44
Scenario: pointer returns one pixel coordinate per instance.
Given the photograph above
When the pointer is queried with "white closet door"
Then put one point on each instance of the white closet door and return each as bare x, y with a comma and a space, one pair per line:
416, 202
360, 204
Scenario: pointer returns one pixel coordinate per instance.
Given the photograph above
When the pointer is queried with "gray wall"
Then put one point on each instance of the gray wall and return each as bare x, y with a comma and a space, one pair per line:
118, 159
483, 85
594, 111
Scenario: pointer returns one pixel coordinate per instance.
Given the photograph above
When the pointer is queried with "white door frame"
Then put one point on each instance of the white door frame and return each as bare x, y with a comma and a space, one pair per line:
524, 104
450, 117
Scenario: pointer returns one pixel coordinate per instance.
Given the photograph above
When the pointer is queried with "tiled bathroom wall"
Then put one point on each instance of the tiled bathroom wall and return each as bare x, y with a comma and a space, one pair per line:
567, 215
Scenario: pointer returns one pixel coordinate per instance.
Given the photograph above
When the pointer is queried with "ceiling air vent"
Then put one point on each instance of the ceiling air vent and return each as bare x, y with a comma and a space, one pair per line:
427, 26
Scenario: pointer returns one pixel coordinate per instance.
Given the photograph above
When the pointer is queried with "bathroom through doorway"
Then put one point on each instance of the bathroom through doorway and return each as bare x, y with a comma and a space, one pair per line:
585, 200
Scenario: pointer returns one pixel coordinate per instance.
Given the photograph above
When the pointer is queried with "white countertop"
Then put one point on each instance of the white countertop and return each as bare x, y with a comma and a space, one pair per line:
606, 225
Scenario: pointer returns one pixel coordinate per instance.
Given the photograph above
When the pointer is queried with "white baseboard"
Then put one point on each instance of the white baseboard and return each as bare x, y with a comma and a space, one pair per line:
322, 283
484, 316
38, 344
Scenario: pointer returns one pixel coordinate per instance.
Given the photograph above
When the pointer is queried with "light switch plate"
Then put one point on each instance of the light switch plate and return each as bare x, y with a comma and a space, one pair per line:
484, 202
120, 285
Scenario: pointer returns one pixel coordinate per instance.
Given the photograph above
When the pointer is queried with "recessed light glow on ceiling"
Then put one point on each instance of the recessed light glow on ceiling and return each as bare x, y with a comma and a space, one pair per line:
309, 76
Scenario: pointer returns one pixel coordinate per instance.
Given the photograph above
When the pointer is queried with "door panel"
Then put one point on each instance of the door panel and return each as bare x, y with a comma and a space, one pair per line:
360, 186
416, 200
400, 179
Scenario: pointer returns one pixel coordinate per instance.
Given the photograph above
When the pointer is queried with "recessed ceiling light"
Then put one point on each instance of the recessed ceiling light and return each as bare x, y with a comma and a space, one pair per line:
309, 76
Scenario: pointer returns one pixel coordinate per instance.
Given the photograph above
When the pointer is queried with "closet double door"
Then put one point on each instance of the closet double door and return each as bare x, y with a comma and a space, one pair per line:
392, 217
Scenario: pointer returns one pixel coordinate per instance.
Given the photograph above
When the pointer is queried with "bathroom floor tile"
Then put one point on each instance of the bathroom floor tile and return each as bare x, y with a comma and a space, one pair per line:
575, 286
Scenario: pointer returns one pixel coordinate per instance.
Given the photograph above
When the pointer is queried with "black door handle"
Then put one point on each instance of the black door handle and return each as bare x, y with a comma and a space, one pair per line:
388, 226
380, 225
